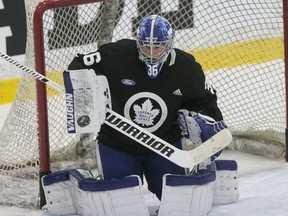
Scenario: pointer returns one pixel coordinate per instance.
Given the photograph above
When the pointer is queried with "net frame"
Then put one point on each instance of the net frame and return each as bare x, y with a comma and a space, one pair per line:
285, 26
44, 147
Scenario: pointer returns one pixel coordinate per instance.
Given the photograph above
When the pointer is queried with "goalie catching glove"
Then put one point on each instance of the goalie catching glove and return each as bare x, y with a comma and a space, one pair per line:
87, 96
199, 128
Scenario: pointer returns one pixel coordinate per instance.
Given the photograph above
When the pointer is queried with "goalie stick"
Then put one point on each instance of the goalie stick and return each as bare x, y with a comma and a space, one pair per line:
185, 159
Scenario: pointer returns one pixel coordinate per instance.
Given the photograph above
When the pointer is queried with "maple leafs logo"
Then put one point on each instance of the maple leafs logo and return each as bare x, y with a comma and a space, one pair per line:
145, 114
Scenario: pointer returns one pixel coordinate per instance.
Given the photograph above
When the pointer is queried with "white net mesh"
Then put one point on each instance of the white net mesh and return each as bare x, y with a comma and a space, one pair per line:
238, 43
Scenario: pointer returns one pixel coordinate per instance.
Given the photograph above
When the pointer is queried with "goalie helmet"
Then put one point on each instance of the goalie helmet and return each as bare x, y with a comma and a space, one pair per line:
154, 42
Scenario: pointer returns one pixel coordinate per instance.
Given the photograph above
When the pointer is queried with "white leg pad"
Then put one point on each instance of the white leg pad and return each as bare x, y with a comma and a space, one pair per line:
226, 184
187, 195
58, 193
119, 197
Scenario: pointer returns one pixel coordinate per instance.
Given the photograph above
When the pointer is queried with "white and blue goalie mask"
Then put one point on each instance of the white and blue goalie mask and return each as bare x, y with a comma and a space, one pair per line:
154, 42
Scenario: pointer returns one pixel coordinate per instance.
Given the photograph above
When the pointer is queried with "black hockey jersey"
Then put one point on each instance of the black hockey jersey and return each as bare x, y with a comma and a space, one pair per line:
150, 103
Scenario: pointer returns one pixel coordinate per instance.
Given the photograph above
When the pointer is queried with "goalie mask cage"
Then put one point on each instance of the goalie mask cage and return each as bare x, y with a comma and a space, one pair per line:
240, 45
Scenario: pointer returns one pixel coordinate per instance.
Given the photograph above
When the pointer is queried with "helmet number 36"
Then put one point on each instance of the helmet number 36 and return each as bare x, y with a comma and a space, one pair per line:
152, 69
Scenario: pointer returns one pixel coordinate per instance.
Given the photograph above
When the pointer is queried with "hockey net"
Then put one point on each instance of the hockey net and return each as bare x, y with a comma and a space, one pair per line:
240, 45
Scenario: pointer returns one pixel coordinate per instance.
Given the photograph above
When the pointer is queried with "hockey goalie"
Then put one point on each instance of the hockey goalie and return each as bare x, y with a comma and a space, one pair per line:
164, 91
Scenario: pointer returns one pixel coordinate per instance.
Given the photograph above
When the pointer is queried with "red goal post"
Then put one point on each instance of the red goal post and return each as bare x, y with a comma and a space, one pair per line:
39, 50
285, 20
240, 45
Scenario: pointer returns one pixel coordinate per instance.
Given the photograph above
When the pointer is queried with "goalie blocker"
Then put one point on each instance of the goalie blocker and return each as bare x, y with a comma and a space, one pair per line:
87, 96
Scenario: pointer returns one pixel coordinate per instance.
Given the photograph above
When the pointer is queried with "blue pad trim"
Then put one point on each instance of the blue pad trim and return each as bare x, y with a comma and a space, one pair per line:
226, 164
55, 177
201, 178
91, 184
106, 185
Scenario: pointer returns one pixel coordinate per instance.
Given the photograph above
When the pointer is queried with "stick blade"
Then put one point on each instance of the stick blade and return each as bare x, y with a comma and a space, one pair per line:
213, 145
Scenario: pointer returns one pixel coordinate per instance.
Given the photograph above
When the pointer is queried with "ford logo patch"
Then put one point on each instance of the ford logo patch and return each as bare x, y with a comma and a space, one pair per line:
128, 82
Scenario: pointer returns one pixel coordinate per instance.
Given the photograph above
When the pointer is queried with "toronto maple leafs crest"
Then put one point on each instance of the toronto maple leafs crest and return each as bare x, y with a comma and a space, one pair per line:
147, 110
145, 114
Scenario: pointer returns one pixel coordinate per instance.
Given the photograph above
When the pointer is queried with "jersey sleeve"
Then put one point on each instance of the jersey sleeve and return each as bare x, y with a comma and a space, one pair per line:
107, 58
205, 101
91, 60
77, 63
